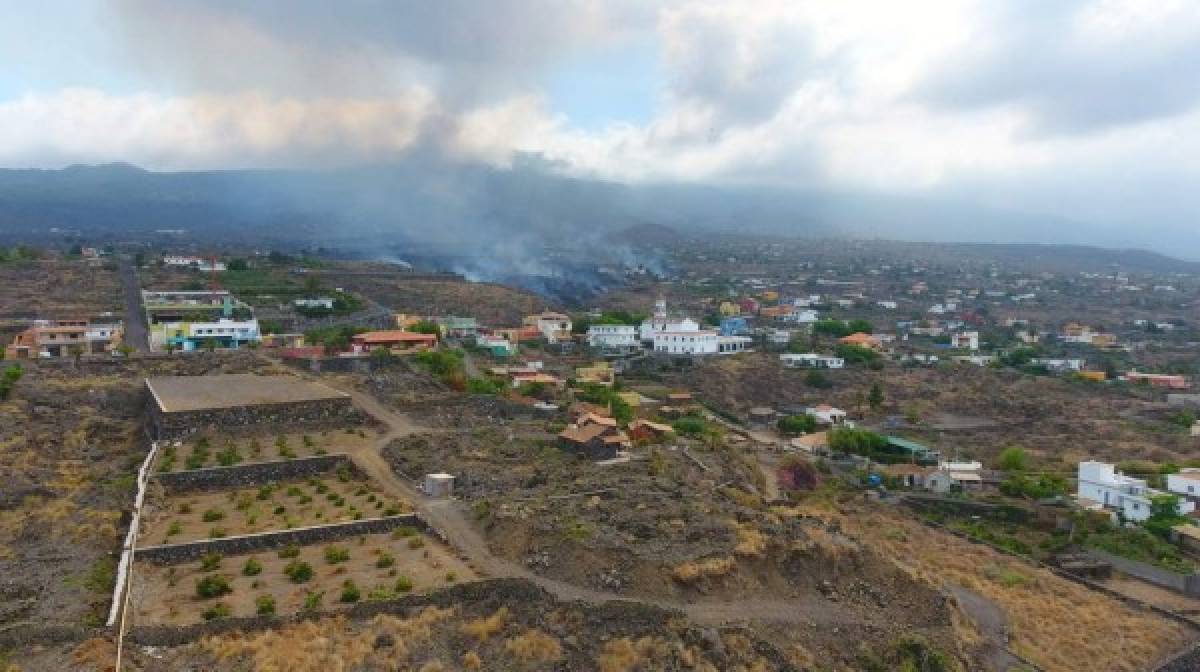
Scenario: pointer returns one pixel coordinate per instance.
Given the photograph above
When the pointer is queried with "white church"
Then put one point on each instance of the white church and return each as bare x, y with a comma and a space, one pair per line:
683, 336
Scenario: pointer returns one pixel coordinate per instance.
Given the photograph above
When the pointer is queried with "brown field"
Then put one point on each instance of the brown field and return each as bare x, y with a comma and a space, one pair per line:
1055, 623
262, 448
167, 595
58, 289
491, 304
248, 510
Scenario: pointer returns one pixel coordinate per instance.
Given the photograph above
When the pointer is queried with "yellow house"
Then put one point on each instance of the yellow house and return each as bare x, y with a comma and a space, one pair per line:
1097, 376
631, 399
770, 295
600, 373
729, 309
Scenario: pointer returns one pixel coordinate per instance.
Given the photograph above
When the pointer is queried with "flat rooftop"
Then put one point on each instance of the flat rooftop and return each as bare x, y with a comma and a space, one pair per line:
180, 394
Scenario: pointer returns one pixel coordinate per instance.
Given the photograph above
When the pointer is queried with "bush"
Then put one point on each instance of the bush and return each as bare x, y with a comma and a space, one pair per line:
252, 567
264, 605
416, 542
691, 426
289, 551
1013, 458
797, 424
312, 600
213, 585
218, 610
298, 571
818, 380
384, 561
350, 592
210, 561
856, 354
403, 584
212, 515
336, 554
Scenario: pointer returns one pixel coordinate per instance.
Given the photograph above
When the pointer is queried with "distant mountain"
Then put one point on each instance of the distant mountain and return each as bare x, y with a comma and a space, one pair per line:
493, 222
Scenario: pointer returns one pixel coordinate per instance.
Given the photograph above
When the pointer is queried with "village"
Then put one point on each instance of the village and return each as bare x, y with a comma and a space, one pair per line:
319, 440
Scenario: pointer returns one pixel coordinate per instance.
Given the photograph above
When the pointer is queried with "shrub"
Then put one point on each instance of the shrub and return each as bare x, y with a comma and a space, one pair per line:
298, 571
384, 561
404, 531
416, 542
216, 533
264, 492
403, 584
218, 610
818, 380
174, 528
210, 561
336, 554
213, 585
451, 577
797, 424
289, 551
350, 592
264, 605
312, 600
252, 567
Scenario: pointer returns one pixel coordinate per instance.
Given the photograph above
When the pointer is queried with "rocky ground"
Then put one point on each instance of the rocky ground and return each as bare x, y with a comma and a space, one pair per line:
1047, 415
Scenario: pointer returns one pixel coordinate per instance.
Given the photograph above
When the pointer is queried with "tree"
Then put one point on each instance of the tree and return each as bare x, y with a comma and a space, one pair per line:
856, 354
125, 349
797, 424
170, 348
426, 327
1013, 458
210, 344
76, 352
875, 396
818, 380
1164, 515
238, 265
312, 285
855, 326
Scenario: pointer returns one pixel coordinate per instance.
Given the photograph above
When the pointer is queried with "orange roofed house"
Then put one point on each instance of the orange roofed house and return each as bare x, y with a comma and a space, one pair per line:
595, 437
60, 338
393, 341
862, 340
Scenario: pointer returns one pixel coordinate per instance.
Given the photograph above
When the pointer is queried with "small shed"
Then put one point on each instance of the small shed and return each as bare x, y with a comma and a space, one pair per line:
439, 485
761, 416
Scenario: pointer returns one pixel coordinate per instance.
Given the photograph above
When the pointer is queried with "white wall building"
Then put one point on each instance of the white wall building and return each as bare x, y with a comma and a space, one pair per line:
199, 263
661, 322
966, 340
801, 316
613, 336
1186, 483
325, 303
554, 327
811, 360
1101, 482
692, 342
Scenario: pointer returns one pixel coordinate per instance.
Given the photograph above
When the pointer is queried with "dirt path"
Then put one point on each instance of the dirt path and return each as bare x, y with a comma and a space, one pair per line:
993, 625
452, 520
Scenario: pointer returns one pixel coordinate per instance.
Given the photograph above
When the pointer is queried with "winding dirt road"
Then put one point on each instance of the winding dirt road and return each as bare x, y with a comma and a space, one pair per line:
452, 521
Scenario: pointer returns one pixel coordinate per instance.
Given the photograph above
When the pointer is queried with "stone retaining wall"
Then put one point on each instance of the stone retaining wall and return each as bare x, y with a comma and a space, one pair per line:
24, 635
174, 554
497, 591
1188, 584
321, 413
258, 473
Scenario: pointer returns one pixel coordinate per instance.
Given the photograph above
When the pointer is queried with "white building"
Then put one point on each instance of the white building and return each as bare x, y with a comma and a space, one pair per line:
198, 263
886, 305
613, 336
827, 415
1102, 483
322, 302
661, 322
966, 340
1186, 483
801, 316
1059, 365
554, 327
811, 360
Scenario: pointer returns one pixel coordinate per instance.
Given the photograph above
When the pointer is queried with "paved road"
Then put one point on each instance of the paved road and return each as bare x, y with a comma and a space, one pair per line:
451, 519
136, 334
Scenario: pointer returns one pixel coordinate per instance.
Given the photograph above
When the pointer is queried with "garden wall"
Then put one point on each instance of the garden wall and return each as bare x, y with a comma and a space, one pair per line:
1188, 584
321, 413
494, 591
173, 554
259, 473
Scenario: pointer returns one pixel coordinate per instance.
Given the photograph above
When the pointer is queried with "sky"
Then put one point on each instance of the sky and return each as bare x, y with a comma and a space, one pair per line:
1087, 110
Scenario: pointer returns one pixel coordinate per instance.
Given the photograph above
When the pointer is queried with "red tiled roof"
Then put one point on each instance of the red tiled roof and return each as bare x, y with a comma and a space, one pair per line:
395, 337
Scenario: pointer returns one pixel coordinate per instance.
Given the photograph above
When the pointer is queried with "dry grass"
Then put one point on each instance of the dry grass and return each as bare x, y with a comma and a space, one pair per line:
95, 654
472, 661
322, 646
482, 629
691, 572
751, 542
624, 655
1056, 623
534, 646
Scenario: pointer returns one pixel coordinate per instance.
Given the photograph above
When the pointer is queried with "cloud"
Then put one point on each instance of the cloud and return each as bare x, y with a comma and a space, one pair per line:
1077, 67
